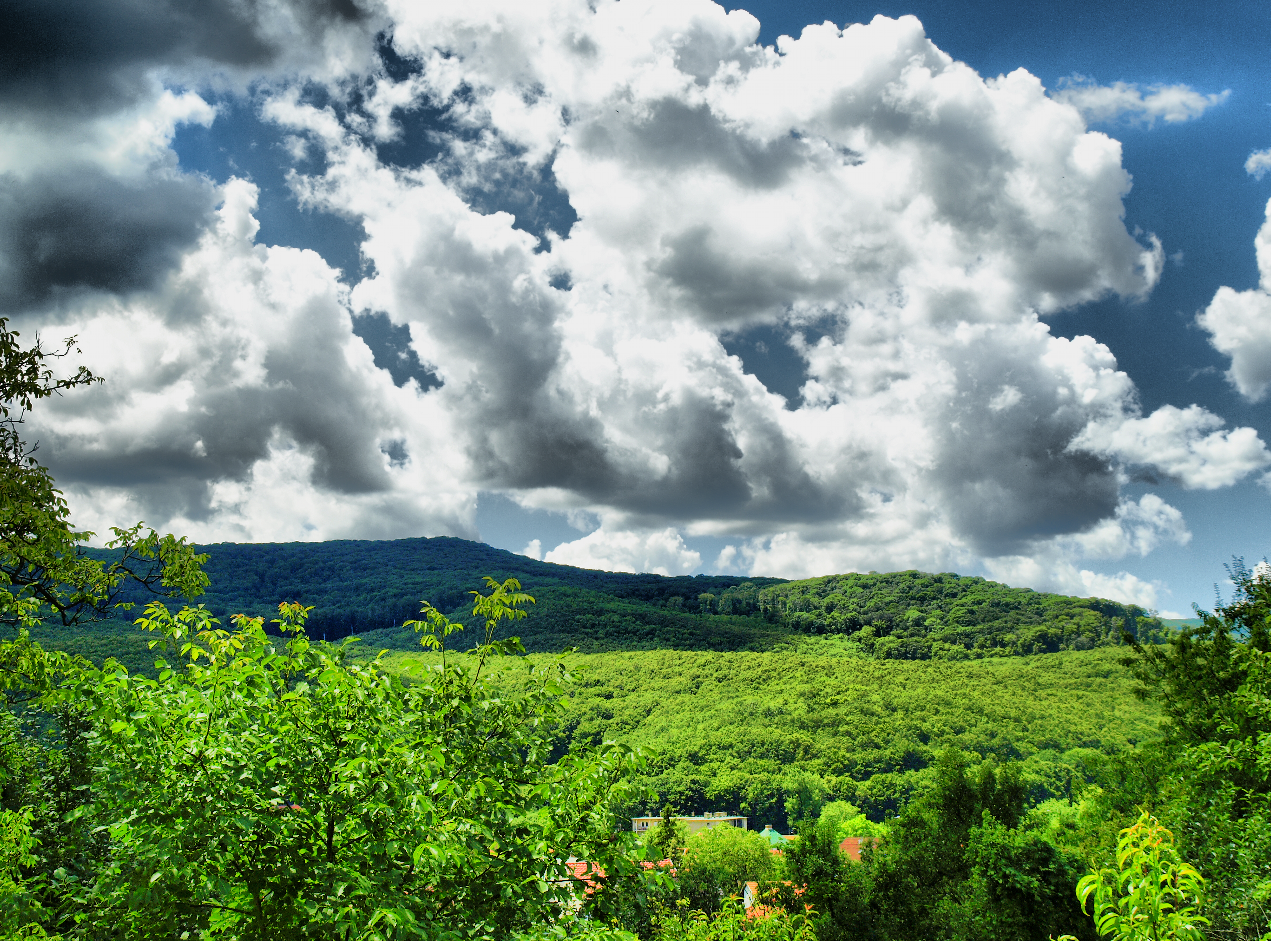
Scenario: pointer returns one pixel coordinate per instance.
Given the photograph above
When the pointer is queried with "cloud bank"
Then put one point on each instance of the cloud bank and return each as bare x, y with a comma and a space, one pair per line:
901, 220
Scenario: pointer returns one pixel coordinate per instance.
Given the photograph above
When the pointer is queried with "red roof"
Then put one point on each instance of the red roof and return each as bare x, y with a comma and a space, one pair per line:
586, 873
852, 846
589, 874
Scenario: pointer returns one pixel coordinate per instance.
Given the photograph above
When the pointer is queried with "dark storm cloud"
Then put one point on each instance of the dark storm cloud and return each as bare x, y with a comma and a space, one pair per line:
232, 428
1002, 496
543, 442
80, 228
87, 56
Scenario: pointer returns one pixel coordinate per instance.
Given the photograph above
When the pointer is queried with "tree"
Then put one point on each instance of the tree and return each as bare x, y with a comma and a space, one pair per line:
718, 861
804, 797
821, 878
44, 572
1214, 685
668, 837
278, 788
958, 864
1196, 673
849, 820
42, 566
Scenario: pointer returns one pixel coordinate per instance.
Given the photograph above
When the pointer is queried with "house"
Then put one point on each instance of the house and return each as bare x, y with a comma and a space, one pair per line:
851, 847
757, 908
586, 875
775, 839
693, 824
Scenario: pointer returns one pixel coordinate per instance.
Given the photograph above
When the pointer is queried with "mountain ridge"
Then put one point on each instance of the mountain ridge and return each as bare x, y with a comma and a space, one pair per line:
372, 586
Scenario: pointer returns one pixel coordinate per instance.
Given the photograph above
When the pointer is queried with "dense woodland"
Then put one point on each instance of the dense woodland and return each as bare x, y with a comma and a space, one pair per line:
916, 616
1024, 766
732, 731
357, 587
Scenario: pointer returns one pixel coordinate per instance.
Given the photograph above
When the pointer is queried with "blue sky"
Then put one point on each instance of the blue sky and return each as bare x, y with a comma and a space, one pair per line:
646, 287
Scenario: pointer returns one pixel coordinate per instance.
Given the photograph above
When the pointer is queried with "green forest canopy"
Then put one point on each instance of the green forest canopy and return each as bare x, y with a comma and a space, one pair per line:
732, 730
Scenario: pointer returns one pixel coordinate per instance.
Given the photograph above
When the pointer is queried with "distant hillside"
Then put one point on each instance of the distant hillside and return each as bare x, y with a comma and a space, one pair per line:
370, 587
918, 616
356, 586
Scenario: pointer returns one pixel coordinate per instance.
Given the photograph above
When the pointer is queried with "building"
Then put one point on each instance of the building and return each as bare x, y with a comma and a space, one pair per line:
693, 824
852, 846
775, 839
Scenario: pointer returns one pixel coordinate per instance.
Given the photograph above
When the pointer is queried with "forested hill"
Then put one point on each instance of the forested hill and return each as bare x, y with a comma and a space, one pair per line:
917, 616
362, 586
356, 586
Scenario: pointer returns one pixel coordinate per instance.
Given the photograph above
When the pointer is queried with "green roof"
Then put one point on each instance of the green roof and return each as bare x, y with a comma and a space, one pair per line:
774, 838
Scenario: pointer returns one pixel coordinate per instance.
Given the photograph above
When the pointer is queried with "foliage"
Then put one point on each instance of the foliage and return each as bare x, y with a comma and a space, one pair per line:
733, 923
823, 882
20, 909
43, 566
805, 796
1152, 895
1214, 687
957, 863
847, 819
733, 730
275, 788
1019, 886
667, 838
919, 616
362, 586
717, 863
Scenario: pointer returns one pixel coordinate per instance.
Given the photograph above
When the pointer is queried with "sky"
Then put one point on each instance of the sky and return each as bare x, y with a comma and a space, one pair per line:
781, 289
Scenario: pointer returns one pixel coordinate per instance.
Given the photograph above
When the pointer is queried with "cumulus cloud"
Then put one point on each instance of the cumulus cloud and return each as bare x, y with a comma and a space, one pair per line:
662, 553
91, 95
904, 220
239, 405
1239, 324
1101, 104
1187, 445
1136, 528
82, 228
1258, 164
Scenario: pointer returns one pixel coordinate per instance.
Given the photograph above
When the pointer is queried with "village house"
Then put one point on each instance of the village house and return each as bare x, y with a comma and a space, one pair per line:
693, 824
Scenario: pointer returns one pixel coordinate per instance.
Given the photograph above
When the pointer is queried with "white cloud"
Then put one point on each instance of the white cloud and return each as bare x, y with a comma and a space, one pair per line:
1185, 444
239, 405
1239, 324
1066, 578
1101, 104
662, 553
1136, 529
727, 561
904, 219
1258, 164
533, 549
